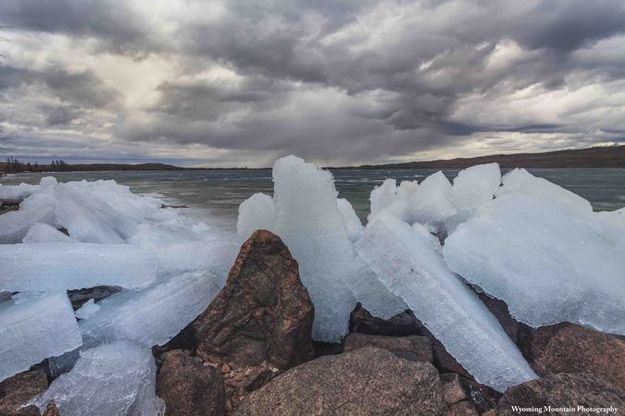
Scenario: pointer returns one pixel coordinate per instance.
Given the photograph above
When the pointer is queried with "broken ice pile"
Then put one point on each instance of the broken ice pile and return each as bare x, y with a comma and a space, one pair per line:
79, 235
317, 228
544, 252
112, 379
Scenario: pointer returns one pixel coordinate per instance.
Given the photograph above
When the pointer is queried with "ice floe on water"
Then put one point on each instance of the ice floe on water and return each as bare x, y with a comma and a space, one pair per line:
427, 246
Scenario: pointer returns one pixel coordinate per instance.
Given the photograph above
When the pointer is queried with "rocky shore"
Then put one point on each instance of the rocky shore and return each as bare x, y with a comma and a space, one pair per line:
251, 352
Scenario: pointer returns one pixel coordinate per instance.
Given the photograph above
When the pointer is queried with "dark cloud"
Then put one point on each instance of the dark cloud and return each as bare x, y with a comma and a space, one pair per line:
351, 80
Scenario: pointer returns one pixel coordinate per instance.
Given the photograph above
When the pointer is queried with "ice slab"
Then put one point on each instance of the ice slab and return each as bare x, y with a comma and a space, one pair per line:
111, 380
476, 185
61, 266
35, 328
547, 256
408, 266
215, 256
152, 316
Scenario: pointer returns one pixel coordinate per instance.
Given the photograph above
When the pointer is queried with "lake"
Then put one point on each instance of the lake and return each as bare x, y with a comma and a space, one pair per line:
214, 195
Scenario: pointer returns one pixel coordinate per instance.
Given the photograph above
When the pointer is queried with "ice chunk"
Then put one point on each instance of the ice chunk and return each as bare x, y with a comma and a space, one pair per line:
409, 267
520, 181
476, 185
33, 329
256, 212
546, 256
14, 225
20, 191
427, 203
44, 233
87, 310
63, 363
61, 266
152, 316
350, 219
113, 379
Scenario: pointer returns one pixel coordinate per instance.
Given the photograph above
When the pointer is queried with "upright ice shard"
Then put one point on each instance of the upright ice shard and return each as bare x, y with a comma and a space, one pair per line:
152, 316
35, 328
409, 266
319, 229
61, 266
111, 380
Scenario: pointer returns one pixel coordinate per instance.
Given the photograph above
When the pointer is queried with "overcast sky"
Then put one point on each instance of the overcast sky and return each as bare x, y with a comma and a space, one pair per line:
240, 83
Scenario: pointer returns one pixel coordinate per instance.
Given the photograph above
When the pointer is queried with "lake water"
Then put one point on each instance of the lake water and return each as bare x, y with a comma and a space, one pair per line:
214, 195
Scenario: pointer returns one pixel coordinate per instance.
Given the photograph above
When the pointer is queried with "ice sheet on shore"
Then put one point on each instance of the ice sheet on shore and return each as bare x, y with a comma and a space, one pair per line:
318, 229
409, 267
14, 225
152, 316
62, 266
544, 252
35, 328
113, 379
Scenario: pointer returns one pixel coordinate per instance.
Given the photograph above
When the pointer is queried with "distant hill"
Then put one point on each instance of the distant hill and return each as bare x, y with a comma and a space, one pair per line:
84, 167
594, 157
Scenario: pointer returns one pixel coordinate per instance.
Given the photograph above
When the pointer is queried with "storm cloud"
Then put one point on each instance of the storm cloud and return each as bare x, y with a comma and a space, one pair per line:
339, 82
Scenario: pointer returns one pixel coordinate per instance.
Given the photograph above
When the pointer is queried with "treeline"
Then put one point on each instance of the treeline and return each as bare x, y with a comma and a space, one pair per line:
13, 165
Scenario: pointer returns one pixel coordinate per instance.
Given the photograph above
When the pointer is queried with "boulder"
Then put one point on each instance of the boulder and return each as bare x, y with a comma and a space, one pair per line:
453, 390
568, 348
366, 381
402, 324
188, 387
17, 390
464, 408
79, 297
411, 347
562, 391
263, 313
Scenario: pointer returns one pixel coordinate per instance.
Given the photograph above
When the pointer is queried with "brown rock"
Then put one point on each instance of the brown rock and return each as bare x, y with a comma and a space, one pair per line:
188, 387
568, 348
20, 388
263, 313
402, 324
453, 390
367, 381
78, 297
562, 391
464, 408
412, 347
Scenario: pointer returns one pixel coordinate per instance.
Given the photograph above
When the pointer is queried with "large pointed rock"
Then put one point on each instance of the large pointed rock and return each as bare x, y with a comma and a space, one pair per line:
263, 313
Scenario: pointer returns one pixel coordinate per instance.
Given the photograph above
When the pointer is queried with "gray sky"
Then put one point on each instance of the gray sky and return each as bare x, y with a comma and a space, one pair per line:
238, 82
